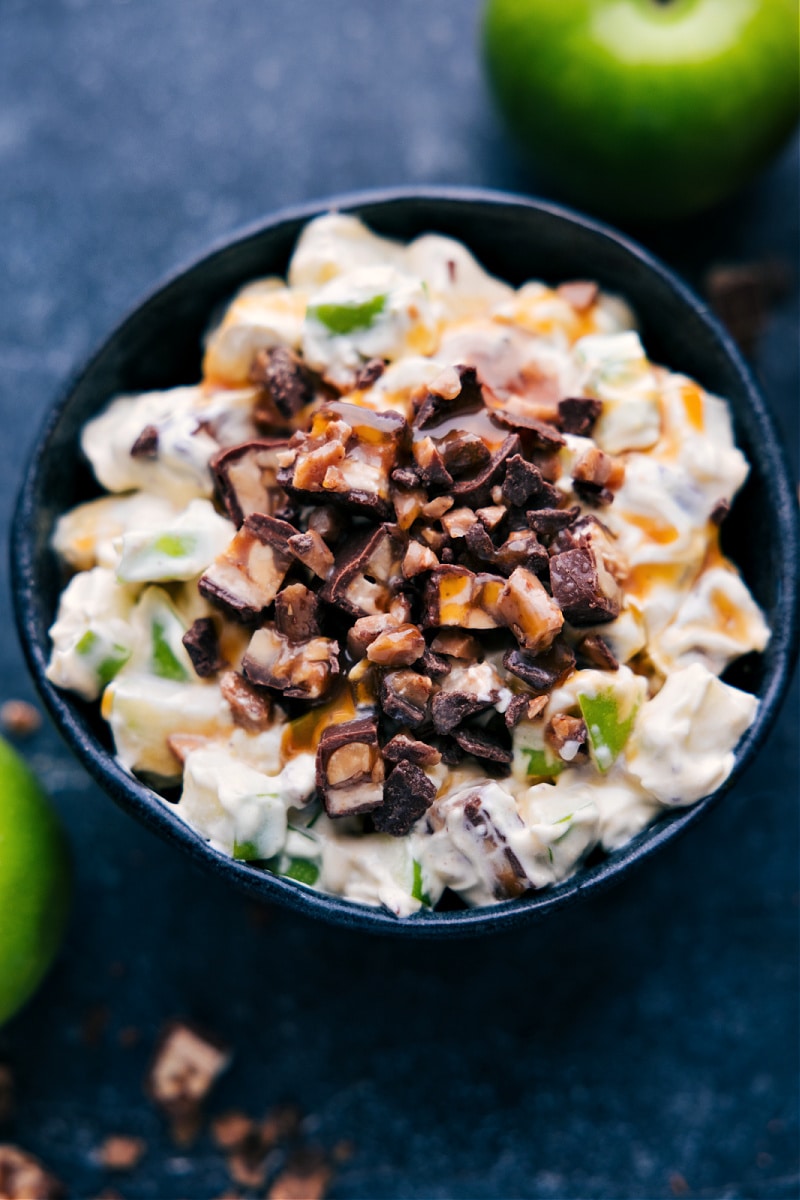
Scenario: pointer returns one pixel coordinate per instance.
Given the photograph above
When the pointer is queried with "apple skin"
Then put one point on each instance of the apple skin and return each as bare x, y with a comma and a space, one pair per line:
35, 882
646, 109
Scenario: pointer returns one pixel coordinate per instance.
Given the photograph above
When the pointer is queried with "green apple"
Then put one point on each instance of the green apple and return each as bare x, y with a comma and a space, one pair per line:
646, 108
35, 882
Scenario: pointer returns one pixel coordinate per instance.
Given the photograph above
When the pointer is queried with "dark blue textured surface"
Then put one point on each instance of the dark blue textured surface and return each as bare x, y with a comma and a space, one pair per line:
651, 1036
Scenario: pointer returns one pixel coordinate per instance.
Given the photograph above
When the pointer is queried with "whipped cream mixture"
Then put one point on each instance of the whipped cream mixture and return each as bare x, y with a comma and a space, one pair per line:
420, 587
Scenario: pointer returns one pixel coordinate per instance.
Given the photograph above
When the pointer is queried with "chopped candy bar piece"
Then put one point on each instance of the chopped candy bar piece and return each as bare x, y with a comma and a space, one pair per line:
438, 407
456, 596
534, 432
403, 748
311, 550
246, 577
287, 383
366, 573
531, 613
250, 708
347, 457
398, 647
297, 613
584, 588
247, 478
404, 697
480, 744
202, 645
542, 672
596, 651
407, 796
350, 768
577, 414
476, 490
302, 670
449, 709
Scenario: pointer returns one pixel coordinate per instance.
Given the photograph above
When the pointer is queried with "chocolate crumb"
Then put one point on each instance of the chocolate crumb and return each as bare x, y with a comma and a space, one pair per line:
119, 1152
185, 1065
305, 1177
231, 1129
19, 719
23, 1177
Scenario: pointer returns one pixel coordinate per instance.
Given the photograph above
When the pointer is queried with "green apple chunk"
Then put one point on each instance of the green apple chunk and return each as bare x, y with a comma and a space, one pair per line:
342, 319
35, 882
646, 108
181, 551
609, 721
533, 758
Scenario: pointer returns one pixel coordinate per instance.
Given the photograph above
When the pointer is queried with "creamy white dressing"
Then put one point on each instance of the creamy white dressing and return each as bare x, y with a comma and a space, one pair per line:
662, 729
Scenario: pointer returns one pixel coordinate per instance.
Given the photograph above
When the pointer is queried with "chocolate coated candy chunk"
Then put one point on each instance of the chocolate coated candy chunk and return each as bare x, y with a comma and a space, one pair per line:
202, 646
463, 453
285, 377
407, 796
449, 709
297, 613
537, 433
523, 483
577, 414
403, 748
250, 708
369, 374
541, 672
366, 573
300, 670
247, 576
436, 408
431, 465
350, 768
312, 552
596, 651
476, 490
404, 697
585, 591
523, 708
548, 521
481, 744
247, 478
346, 457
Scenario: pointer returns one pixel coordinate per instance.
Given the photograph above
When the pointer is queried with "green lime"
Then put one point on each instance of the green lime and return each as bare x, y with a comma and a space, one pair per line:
35, 882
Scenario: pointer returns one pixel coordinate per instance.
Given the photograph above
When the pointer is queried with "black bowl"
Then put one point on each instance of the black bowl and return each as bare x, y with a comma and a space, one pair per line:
159, 345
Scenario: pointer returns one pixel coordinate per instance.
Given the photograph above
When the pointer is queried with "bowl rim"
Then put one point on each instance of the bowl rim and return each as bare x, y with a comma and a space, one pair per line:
139, 800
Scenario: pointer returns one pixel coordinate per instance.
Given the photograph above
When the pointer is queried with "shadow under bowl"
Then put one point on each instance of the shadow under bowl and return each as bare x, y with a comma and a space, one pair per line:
159, 346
